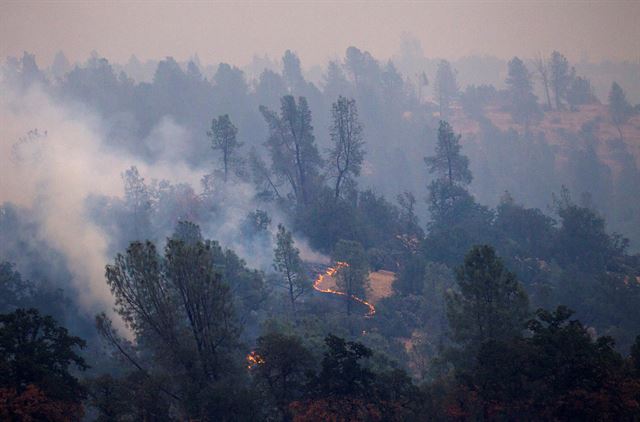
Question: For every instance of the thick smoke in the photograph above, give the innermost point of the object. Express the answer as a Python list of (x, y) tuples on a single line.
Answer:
[(54, 157)]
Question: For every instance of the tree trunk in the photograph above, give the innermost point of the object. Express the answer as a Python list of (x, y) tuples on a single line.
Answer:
[(618, 126), (546, 91)]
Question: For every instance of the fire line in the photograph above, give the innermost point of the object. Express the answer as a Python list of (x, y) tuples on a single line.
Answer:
[(331, 272)]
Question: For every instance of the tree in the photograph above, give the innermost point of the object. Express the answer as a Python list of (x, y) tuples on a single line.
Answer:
[(619, 108), (36, 357), (223, 138), (342, 372), (558, 372), (524, 106), (291, 144), (543, 73), (282, 370), (409, 219), (422, 81), (130, 397), (489, 304), (448, 163), (446, 87), (452, 174), (580, 92), (582, 241), (140, 201), (560, 77), (287, 261), (346, 155), (582, 377), (347, 389), (352, 275), (292, 73), (180, 308)]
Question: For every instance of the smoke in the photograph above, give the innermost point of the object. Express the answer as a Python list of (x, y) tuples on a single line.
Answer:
[(55, 156), (52, 157)]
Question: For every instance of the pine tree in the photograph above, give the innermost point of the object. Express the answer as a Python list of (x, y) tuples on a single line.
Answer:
[(524, 106), (223, 138), (619, 108), (287, 261), (490, 303)]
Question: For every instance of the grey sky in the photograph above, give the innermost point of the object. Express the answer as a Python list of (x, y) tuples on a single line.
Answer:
[(234, 32)]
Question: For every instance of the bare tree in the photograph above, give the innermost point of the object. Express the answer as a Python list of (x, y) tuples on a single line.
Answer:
[(560, 77), (543, 73)]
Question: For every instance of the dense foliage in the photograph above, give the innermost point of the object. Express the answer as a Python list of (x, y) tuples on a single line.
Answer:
[(510, 299)]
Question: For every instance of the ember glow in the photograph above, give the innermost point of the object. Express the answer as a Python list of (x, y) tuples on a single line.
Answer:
[(333, 271), (254, 359)]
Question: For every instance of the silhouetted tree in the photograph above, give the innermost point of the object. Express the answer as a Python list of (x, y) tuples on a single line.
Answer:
[(451, 170), (445, 86), (347, 153), (223, 138), (282, 370), (490, 303), (542, 67), (36, 361), (524, 106), (351, 278), (619, 108), (560, 77), (291, 144), (287, 261), (180, 307)]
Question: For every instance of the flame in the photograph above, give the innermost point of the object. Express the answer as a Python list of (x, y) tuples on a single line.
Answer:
[(331, 272), (254, 359)]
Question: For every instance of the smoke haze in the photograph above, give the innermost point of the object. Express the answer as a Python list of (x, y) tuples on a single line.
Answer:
[(235, 31)]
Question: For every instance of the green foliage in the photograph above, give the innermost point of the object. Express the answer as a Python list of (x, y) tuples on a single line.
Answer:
[(283, 369), (489, 303), (523, 103), (346, 153), (445, 86), (181, 310), (16, 293), (580, 92), (342, 373), (288, 263), (131, 397), (35, 350), (448, 163), (525, 231), (223, 138), (560, 77), (581, 241), (559, 372), (291, 144), (352, 278), (619, 108), (474, 98)]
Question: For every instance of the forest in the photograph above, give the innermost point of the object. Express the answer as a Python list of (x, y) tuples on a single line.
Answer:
[(377, 240)]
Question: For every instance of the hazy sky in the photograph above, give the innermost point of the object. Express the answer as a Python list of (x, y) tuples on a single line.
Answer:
[(234, 32)]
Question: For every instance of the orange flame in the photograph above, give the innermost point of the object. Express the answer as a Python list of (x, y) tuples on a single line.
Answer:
[(254, 359), (331, 272)]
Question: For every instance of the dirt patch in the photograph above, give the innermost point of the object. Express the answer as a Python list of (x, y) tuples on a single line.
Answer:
[(380, 285)]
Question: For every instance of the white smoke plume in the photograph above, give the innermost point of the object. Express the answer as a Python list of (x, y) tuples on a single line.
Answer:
[(54, 170)]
